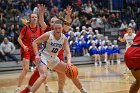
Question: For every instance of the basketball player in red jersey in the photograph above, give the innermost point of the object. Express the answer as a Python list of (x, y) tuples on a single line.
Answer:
[(132, 60), (45, 27), (27, 35)]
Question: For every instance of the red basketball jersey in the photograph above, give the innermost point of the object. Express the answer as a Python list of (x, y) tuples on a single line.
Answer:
[(29, 35)]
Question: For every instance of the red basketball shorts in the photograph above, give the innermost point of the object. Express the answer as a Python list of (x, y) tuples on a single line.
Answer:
[(27, 55), (132, 58)]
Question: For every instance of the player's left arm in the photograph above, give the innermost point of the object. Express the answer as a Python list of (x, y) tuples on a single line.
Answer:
[(68, 19), (67, 49)]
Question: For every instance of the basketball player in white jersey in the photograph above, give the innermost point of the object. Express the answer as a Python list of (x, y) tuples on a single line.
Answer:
[(48, 58), (128, 37)]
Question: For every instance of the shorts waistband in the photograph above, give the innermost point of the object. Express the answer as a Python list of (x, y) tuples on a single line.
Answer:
[(135, 45)]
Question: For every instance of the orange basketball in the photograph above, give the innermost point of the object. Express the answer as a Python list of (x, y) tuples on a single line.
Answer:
[(71, 72)]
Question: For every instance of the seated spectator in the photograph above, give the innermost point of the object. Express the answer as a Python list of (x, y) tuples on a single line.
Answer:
[(124, 25), (123, 28), (109, 51), (94, 53), (2, 35), (77, 31), (98, 40), (76, 23), (132, 24), (116, 51), (106, 40), (102, 52), (75, 48), (84, 47), (7, 48), (90, 41)]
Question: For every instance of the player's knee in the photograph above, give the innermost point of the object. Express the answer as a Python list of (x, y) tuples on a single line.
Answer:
[(61, 76), (25, 69), (43, 76)]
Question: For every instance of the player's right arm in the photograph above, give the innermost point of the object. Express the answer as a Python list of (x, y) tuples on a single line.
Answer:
[(41, 9), (22, 33), (122, 39)]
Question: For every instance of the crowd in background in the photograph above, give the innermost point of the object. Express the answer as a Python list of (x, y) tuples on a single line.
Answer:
[(90, 17)]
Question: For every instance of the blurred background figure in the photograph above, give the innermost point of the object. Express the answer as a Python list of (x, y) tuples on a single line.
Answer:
[(7, 48)]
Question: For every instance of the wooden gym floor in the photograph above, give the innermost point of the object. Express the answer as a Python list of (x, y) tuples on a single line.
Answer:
[(100, 79)]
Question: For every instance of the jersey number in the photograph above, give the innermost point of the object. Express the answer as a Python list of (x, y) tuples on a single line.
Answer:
[(55, 50)]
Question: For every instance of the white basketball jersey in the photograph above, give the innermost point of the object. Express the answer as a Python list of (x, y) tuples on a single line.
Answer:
[(53, 46), (129, 39)]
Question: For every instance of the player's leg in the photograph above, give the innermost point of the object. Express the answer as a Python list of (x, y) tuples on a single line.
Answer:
[(32, 80), (25, 66), (136, 85), (61, 82), (118, 58), (99, 59), (43, 75), (95, 59), (60, 67)]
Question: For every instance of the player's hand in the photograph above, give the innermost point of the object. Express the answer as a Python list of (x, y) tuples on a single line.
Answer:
[(68, 65), (38, 59), (68, 10), (41, 8), (25, 48)]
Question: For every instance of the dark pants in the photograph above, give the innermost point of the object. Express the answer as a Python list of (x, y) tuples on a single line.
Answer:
[(2, 57), (11, 56)]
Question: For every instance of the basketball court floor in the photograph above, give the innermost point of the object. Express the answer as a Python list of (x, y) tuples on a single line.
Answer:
[(100, 79)]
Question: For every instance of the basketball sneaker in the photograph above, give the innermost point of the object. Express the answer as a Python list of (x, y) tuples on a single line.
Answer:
[(62, 91), (83, 90), (48, 89)]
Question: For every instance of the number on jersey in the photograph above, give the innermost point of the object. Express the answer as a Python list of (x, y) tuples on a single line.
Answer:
[(55, 50)]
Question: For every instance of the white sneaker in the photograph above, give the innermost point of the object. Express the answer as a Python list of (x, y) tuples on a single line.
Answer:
[(17, 90), (62, 91), (95, 64), (112, 62), (118, 61), (32, 69), (107, 63), (100, 63), (83, 91), (48, 89)]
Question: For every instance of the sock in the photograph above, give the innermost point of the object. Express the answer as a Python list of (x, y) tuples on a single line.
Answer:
[(34, 77), (83, 90), (18, 88)]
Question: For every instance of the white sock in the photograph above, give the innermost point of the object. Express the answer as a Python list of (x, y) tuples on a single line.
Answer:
[(18, 88)]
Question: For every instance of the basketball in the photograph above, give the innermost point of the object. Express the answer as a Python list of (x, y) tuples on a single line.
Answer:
[(71, 72)]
